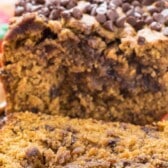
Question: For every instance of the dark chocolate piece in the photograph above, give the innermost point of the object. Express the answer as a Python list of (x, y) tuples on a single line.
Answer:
[(141, 40)]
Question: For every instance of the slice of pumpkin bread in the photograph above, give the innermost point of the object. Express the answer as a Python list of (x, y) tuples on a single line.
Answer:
[(101, 59), (45, 141)]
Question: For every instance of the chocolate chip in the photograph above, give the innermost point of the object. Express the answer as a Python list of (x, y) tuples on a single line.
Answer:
[(155, 26), (136, 3), (101, 18), (44, 11), (33, 152), (152, 9), (49, 48), (139, 24), (149, 20), (108, 25), (77, 13), (55, 14), (105, 11), (120, 21), (40, 1), (66, 14), (148, 2), (112, 6), (137, 15), (139, 10), (52, 4), (126, 7), (148, 129), (71, 4), (130, 12), (141, 40), (159, 17), (111, 73), (36, 8), (143, 159), (165, 31), (126, 163), (150, 83), (19, 10), (166, 22), (113, 142), (131, 20), (87, 8), (160, 4), (116, 2), (64, 2), (53, 92), (34, 110), (112, 15), (49, 128), (98, 1)]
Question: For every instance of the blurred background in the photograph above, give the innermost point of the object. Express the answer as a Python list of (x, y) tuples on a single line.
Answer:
[(7, 6), (6, 11)]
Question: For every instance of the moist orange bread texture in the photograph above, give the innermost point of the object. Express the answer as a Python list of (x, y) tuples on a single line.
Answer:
[(45, 141), (101, 59)]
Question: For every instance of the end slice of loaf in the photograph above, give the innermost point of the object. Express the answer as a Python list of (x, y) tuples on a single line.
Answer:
[(45, 141)]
